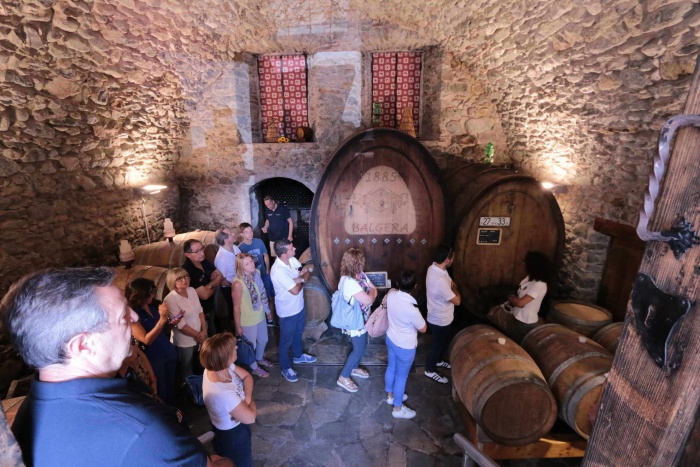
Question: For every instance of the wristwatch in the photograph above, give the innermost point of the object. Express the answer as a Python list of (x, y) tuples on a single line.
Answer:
[(302, 280)]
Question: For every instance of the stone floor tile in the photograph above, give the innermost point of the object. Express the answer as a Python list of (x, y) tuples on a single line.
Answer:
[(354, 455), (408, 434), (377, 446), (275, 414), (396, 456)]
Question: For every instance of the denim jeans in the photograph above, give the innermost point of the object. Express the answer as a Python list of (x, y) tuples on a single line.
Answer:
[(359, 345), (438, 344), (234, 444), (291, 329), (257, 335), (400, 361)]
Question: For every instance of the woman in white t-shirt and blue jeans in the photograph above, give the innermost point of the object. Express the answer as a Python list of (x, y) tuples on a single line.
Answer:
[(354, 285), (405, 322), (228, 395)]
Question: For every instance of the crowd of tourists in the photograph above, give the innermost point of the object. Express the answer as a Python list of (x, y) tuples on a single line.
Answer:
[(75, 327)]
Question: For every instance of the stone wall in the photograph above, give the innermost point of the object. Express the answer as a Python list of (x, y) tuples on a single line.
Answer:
[(98, 97), (223, 159)]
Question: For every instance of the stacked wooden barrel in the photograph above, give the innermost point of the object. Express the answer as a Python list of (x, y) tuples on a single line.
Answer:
[(584, 318), (154, 273), (501, 386), (496, 216), (609, 336), (575, 368), (167, 254)]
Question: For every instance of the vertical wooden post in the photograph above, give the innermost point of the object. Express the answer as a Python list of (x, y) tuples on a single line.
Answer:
[(646, 417)]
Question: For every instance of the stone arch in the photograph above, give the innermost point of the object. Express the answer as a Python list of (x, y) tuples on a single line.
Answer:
[(292, 193)]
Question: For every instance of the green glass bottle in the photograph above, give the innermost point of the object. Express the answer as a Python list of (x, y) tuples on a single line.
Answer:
[(488, 153)]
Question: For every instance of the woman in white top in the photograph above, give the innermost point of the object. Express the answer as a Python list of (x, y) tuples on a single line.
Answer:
[(191, 330), (405, 322), (533, 288), (354, 285), (520, 314), (228, 395)]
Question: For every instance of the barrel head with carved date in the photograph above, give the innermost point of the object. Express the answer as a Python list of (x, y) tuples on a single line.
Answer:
[(380, 192)]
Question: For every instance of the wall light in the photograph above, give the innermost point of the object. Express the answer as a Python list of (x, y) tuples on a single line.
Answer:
[(555, 189)]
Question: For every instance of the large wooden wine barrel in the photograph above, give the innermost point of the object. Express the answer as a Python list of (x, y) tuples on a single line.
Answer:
[(496, 216), (154, 273), (609, 336), (501, 386), (380, 192), (168, 254), (584, 318), (575, 368)]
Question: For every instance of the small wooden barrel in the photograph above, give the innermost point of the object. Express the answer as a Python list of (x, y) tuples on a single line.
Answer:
[(317, 299), (501, 386), (584, 318), (507, 324), (154, 273), (609, 336), (168, 254), (575, 368)]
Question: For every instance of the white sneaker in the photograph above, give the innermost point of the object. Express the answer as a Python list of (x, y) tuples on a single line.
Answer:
[(404, 412), (435, 376), (444, 364), (390, 400)]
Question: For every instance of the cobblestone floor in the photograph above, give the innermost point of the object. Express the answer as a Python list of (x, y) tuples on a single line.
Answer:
[(314, 422)]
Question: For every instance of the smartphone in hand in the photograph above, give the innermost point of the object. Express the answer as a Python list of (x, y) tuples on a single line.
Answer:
[(177, 317)]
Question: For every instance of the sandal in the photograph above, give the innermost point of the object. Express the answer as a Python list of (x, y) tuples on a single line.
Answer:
[(260, 372), (347, 384), (265, 362), (360, 373)]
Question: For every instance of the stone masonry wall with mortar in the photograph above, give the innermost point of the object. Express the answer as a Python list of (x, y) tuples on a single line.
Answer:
[(582, 89), (97, 97)]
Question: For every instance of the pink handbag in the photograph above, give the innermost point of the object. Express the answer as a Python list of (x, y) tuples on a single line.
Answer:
[(378, 321)]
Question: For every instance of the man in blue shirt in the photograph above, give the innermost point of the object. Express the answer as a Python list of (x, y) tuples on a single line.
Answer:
[(74, 327)]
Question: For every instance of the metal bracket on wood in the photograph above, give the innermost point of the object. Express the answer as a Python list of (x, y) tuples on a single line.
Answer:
[(680, 237), (658, 317)]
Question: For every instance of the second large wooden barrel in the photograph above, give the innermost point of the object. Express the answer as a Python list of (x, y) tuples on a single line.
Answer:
[(575, 367), (584, 318), (154, 273), (501, 386), (609, 336), (496, 216), (168, 254), (380, 192)]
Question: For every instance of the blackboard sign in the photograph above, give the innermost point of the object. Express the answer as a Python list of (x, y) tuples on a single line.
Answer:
[(489, 237), (379, 279)]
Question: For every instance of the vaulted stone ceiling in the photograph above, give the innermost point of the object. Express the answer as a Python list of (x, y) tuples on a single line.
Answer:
[(88, 87)]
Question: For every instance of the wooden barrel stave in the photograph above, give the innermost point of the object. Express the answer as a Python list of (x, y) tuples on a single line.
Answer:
[(609, 336), (584, 318), (397, 222), (492, 380), (574, 370), (317, 300), (536, 224)]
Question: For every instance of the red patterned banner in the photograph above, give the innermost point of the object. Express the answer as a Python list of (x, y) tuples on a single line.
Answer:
[(283, 92), (396, 85)]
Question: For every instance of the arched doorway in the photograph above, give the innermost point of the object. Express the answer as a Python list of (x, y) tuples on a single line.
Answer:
[(298, 199)]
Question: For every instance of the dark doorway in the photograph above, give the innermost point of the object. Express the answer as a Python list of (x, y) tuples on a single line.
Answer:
[(290, 193)]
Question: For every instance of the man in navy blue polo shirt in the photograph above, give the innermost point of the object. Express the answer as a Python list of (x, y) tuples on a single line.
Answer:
[(73, 326), (278, 222)]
